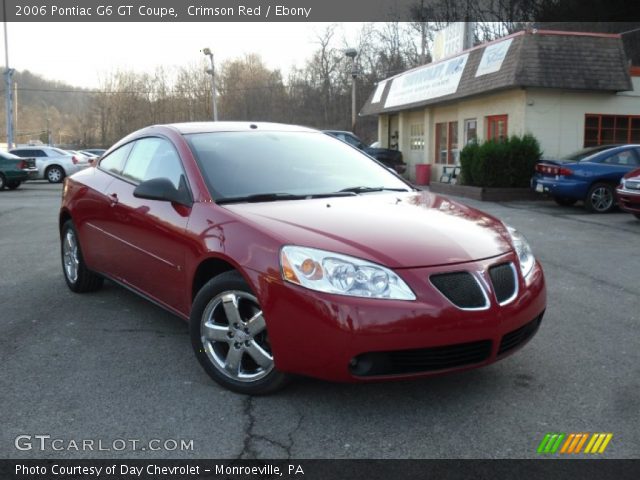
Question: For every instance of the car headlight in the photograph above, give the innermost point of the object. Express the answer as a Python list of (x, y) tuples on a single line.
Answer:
[(523, 250), (623, 182), (341, 274)]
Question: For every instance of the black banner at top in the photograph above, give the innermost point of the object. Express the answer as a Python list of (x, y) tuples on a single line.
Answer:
[(318, 10)]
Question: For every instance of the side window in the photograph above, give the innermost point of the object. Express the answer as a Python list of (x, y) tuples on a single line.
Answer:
[(153, 158), (624, 158), (115, 160)]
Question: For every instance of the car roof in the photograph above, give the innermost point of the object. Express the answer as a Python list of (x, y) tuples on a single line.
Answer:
[(207, 127)]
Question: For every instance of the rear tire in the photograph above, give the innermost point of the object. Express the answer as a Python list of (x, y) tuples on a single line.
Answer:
[(13, 185), (637, 215), (229, 337), (565, 201), (78, 277), (54, 174), (600, 199), (3, 181)]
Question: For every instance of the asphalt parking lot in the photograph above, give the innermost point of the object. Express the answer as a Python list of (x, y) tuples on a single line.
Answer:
[(110, 365)]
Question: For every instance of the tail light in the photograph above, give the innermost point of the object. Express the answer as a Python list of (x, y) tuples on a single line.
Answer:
[(547, 169), (75, 160), (22, 165)]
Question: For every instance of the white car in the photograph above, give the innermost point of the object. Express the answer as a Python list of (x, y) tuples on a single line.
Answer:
[(53, 163)]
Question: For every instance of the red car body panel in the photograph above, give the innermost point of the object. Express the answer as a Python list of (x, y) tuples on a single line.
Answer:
[(156, 247), (629, 198)]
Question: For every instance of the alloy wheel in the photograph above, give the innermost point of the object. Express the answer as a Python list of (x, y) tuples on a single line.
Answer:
[(70, 256), (601, 199), (234, 336)]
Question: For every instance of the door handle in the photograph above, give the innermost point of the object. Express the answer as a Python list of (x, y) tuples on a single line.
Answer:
[(113, 198)]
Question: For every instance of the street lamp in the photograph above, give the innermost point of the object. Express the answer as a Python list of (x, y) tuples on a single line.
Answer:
[(212, 71), (352, 53)]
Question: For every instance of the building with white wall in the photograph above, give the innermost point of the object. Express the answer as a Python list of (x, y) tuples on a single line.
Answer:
[(570, 90)]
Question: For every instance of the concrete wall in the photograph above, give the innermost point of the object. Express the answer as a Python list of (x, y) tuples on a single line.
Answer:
[(556, 117)]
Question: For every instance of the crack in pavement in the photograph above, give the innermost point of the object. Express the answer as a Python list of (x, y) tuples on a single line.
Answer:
[(248, 447)]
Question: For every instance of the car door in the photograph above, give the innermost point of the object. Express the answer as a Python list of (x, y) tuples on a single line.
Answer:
[(100, 219), (150, 233)]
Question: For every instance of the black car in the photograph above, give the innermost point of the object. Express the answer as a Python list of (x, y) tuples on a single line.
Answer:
[(386, 156)]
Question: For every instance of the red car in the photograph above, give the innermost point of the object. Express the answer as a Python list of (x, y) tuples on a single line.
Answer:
[(628, 193), (289, 252)]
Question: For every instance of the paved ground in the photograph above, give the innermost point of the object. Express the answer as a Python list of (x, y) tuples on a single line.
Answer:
[(112, 366)]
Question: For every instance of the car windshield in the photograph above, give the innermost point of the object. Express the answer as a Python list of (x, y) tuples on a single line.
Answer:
[(289, 164), (59, 151)]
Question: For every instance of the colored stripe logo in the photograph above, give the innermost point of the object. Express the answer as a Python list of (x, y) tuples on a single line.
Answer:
[(572, 443)]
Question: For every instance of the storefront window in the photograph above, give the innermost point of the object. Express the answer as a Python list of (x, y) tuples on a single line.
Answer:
[(610, 129), (497, 127), (416, 137), (447, 143), (470, 131)]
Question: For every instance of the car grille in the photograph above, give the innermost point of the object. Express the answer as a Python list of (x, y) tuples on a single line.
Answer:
[(461, 289), (519, 336), (504, 281), (420, 360)]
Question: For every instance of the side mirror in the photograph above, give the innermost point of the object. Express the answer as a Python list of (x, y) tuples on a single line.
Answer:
[(162, 189)]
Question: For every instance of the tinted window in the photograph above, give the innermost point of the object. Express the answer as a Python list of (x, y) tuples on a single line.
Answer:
[(29, 153), (115, 160), (353, 141), (153, 158), (246, 163)]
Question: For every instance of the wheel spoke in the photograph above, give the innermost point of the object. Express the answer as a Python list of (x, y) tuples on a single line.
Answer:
[(230, 305), (256, 324), (260, 356), (216, 333), (233, 360)]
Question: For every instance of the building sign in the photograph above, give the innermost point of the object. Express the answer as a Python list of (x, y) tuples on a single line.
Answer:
[(377, 95), (453, 39), (492, 57), (431, 81)]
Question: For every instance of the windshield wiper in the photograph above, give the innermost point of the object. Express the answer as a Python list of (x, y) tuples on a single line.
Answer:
[(273, 197), (362, 189)]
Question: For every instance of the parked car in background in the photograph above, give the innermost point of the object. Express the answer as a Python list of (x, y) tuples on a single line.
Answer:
[(292, 253), (98, 152), (14, 170), (593, 179), (390, 158), (628, 193), (54, 164)]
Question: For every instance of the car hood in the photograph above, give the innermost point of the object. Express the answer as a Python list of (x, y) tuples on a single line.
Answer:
[(397, 230)]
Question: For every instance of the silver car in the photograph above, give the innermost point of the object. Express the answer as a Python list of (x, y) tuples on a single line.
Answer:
[(53, 163)]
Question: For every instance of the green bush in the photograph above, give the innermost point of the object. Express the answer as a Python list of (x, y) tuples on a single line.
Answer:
[(508, 163)]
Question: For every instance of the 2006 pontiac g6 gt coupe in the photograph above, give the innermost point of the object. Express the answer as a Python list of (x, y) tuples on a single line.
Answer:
[(291, 252)]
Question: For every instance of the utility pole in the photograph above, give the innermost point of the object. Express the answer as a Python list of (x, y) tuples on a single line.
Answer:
[(8, 82), (352, 53)]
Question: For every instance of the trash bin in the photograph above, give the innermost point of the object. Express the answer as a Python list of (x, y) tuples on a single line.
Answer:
[(423, 173)]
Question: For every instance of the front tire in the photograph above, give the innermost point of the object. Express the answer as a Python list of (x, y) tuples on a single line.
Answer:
[(78, 277), (600, 199), (54, 174), (3, 182), (229, 337), (637, 215)]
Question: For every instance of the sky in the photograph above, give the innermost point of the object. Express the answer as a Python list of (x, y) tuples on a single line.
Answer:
[(81, 53)]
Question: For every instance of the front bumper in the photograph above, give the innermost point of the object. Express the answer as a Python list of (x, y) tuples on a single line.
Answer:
[(325, 336), (628, 200)]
